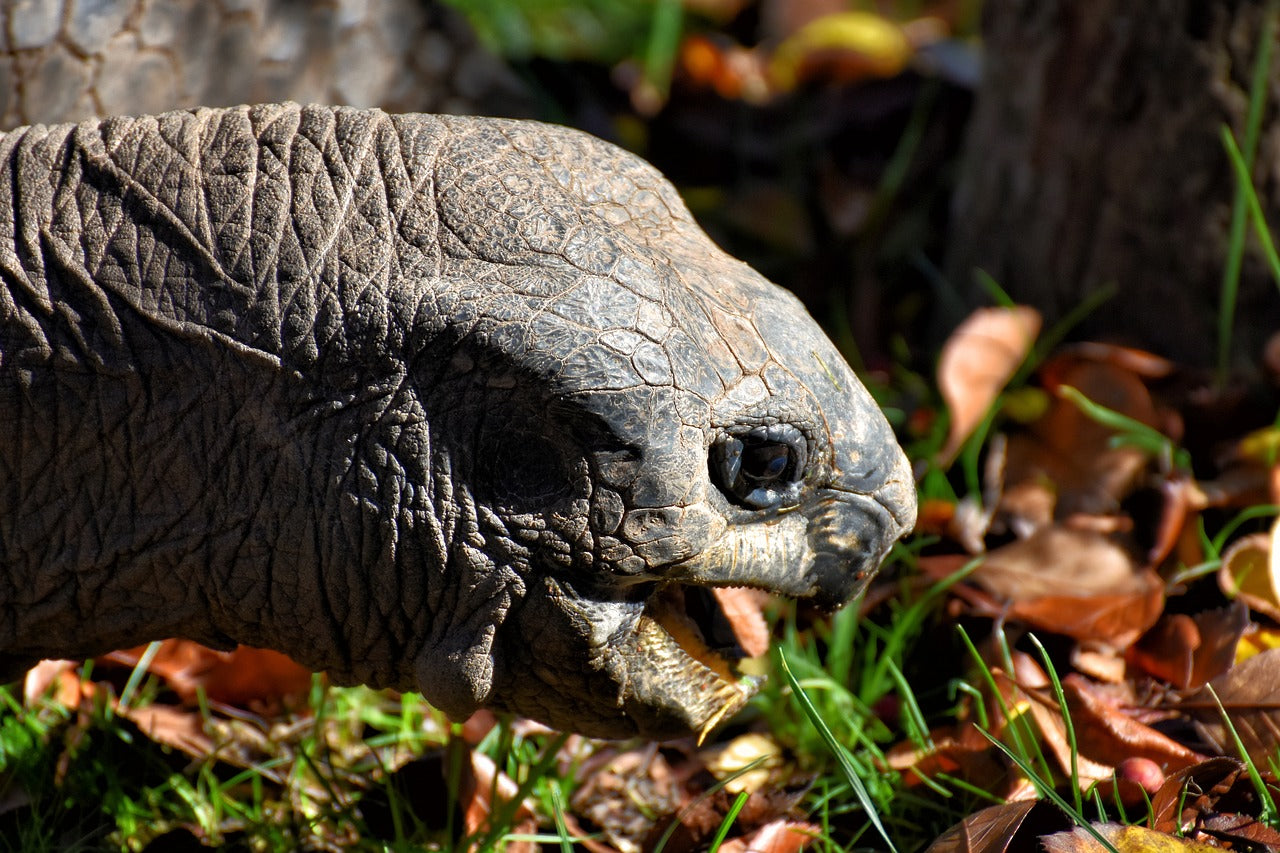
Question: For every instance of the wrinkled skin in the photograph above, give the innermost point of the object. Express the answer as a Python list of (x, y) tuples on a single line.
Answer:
[(435, 403)]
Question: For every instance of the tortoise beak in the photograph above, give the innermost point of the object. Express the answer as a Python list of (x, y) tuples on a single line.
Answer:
[(854, 523)]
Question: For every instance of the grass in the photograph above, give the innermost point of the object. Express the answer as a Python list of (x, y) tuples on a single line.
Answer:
[(327, 773)]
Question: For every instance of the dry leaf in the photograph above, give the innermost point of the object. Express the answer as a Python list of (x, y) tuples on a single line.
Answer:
[(491, 790), (1107, 734), (958, 751), (1072, 454), (1125, 839), (1215, 786), (1250, 571), (729, 762), (1074, 582), (780, 836), (246, 677), (744, 610), (1228, 829), (58, 679), (977, 361), (1059, 562), (622, 791), (1188, 651), (181, 728), (1138, 362), (1250, 693), (1006, 828)]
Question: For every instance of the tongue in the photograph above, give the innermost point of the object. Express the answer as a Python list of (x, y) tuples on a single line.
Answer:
[(744, 609)]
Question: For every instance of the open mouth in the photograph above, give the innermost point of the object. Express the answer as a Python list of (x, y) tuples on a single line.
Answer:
[(705, 634)]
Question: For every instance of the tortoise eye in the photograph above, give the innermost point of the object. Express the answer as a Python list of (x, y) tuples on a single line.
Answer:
[(762, 468), (765, 463)]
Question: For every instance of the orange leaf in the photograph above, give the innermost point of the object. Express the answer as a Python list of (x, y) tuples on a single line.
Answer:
[(1074, 582), (1066, 451), (743, 608), (244, 677), (977, 361)]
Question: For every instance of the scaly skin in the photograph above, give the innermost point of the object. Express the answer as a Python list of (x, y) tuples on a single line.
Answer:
[(434, 403)]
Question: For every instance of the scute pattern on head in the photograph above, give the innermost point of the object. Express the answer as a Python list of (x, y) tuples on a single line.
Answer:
[(489, 411)]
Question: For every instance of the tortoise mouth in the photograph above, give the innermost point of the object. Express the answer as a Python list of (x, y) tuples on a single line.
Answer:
[(686, 627), (693, 617)]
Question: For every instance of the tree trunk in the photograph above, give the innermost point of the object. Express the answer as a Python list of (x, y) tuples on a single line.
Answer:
[(1094, 157)]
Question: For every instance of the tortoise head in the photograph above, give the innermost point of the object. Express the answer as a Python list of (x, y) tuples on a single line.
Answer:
[(684, 425)]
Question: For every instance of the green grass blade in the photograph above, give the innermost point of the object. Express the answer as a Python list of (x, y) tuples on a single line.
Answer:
[(1235, 252), (1061, 698), (1019, 728), (1128, 430), (1269, 812), (729, 818), (662, 45), (842, 755), (916, 725), (139, 671), (1046, 790), (1256, 215), (557, 813)]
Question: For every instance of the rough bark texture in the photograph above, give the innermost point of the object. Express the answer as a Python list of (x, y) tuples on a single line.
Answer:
[(1094, 157), (66, 60)]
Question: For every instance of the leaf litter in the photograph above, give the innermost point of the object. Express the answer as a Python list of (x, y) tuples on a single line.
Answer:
[(1152, 583)]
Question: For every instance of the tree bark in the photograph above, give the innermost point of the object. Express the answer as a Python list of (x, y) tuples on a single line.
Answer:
[(1094, 157)]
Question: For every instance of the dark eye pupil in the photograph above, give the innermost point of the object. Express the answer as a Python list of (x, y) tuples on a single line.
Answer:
[(765, 462), (762, 468)]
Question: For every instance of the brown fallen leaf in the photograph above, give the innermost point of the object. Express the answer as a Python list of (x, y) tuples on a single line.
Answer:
[(622, 791), (1250, 694), (58, 679), (1074, 582), (779, 836), (181, 728), (1006, 828), (249, 678), (1059, 562), (1068, 452), (1138, 362), (1108, 733), (959, 751), (1189, 650), (1053, 729), (1210, 787), (490, 790), (1228, 829), (977, 361), (692, 827)]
